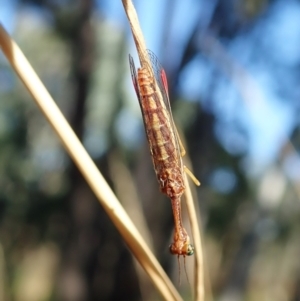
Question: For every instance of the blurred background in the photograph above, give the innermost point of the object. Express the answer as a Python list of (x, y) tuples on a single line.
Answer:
[(233, 71)]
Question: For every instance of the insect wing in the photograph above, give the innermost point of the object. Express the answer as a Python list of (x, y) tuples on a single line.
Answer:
[(162, 82), (134, 77), (158, 70), (136, 86)]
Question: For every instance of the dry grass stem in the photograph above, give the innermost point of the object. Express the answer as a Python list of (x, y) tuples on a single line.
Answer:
[(87, 167), (199, 267), (136, 31)]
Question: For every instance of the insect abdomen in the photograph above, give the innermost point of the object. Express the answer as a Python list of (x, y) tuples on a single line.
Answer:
[(160, 136)]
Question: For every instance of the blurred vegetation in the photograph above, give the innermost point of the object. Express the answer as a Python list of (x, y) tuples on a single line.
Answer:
[(56, 242)]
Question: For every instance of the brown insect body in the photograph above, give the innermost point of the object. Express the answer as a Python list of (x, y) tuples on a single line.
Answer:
[(164, 146), (161, 138)]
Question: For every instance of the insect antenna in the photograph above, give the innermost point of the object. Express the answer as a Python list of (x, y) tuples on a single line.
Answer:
[(179, 271), (186, 274)]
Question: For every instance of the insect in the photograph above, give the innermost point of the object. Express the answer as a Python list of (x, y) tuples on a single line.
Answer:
[(150, 83)]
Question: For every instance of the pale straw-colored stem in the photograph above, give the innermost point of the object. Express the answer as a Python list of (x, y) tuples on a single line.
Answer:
[(136, 31), (199, 286), (87, 167)]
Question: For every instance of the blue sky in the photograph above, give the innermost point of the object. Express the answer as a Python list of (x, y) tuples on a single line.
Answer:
[(7, 13)]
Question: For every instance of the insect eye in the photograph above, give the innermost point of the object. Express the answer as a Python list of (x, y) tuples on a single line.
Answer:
[(190, 250)]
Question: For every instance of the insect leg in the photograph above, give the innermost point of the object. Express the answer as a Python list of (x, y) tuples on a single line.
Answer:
[(182, 149), (191, 175)]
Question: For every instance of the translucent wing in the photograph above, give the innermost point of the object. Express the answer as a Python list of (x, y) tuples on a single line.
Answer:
[(162, 82), (134, 77), (161, 79)]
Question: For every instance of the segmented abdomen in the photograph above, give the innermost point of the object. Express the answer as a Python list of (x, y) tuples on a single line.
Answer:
[(161, 137)]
